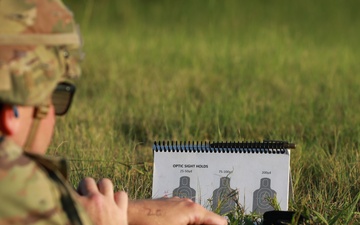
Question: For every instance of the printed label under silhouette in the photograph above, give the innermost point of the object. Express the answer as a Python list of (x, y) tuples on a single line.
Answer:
[(224, 196), (262, 197), (184, 190)]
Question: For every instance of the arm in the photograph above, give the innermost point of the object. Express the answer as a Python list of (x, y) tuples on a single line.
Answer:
[(105, 207), (171, 211)]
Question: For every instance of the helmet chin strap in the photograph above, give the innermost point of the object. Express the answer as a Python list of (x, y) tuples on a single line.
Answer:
[(40, 112)]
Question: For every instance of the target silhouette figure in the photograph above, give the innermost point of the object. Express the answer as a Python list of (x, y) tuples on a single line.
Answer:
[(184, 190), (223, 196), (262, 197)]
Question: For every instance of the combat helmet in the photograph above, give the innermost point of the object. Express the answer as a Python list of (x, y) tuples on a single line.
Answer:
[(40, 48)]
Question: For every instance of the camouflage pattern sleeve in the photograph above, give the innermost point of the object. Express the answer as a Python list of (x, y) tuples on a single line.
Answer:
[(32, 192)]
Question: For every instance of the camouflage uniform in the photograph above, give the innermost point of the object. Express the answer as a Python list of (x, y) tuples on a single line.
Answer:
[(34, 190), (35, 38)]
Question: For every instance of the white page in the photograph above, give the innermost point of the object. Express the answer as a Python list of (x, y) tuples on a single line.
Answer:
[(244, 171)]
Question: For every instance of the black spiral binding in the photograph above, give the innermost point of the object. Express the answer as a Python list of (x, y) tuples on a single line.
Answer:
[(264, 147)]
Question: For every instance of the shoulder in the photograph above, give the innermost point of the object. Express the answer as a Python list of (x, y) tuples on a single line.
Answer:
[(27, 193)]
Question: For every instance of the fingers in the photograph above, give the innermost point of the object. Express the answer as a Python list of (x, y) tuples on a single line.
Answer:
[(203, 216), (197, 214), (176, 198), (200, 215), (100, 202), (87, 187), (121, 199), (106, 187)]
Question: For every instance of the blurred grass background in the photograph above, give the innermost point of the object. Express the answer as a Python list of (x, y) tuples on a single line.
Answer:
[(219, 71)]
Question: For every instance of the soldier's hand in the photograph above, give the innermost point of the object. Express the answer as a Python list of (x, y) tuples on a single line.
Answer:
[(171, 211), (101, 203)]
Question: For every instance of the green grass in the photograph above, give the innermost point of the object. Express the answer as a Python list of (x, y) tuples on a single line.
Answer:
[(220, 71)]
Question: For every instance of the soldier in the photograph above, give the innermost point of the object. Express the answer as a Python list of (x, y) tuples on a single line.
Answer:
[(40, 50)]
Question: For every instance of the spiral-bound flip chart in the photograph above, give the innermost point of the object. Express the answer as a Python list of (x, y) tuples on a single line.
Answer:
[(221, 176)]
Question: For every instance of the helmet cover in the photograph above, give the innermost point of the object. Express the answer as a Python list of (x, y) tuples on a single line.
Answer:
[(39, 47)]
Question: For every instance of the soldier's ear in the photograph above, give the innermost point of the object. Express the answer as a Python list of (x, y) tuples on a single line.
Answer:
[(9, 122)]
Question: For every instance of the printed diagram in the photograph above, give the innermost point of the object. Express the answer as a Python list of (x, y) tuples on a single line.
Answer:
[(223, 197), (184, 190), (262, 196)]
